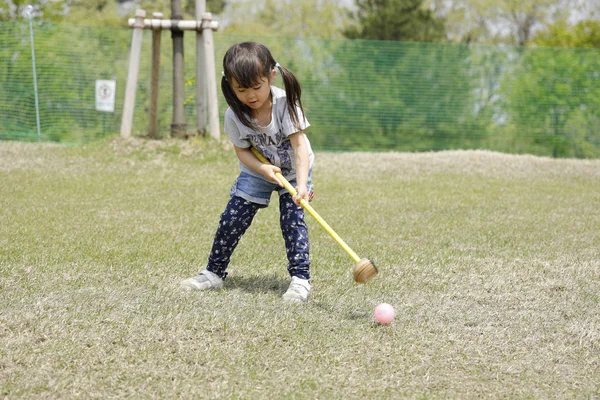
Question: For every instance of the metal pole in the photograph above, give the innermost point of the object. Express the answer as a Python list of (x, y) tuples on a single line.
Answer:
[(28, 13)]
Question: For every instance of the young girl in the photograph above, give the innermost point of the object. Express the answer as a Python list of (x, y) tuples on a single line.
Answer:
[(272, 121)]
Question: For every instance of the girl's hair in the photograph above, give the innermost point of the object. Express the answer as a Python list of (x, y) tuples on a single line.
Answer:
[(248, 62)]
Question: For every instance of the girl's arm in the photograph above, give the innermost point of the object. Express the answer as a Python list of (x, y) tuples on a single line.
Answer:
[(250, 161), (301, 155)]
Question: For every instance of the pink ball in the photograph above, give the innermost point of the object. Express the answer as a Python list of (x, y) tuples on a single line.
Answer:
[(384, 313)]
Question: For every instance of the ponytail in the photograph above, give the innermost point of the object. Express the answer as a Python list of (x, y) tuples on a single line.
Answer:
[(293, 92)]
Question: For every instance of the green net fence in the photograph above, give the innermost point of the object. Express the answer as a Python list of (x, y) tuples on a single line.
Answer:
[(358, 95)]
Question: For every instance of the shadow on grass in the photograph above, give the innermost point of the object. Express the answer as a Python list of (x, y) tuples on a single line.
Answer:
[(257, 284), (351, 315)]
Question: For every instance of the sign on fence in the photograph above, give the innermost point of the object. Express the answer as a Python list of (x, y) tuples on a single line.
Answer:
[(105, 95)]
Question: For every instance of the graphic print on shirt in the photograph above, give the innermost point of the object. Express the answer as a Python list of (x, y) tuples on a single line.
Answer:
[(267, 145)]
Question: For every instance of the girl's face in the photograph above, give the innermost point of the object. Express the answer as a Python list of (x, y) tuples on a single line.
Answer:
[(256, 97)]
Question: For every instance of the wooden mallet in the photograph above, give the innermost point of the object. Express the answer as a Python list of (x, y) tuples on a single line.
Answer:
[(364, 269)]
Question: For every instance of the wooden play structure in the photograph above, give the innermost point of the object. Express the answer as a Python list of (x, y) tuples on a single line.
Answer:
[(206, 85)]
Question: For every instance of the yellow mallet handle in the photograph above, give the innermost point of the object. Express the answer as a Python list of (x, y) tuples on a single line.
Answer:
[(309, 208)]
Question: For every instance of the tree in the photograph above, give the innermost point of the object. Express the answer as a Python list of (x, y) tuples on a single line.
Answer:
[(212, 6), (96, 13), (189, 6), (110, 12), (567, 82), (553, 98), (497, 21), (48, 10), (561, 34), (399, 20), (522, 16), (313, 18)]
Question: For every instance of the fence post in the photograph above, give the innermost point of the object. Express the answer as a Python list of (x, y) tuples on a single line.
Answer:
[(132, 76), (211, 83), (178, 126), (153, 112), (200, 73)]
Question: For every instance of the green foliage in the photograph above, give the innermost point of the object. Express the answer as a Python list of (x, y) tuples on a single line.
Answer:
[(553, 97), (513, 22), (96, 13), (66, 74), (521, 16), (409, 97), (399, 20), (54, 10), (359, 95), (188, 6), (306, 18), (212, 6), (561, 34), (110, 13)]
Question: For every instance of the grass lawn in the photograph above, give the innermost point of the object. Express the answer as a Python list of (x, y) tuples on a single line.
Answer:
[(491, 261)]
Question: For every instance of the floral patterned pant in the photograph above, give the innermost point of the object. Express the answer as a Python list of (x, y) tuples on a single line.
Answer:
[(236, 219)]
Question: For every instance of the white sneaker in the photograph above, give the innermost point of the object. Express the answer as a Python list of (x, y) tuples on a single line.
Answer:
[(204, 280), (298, 291)]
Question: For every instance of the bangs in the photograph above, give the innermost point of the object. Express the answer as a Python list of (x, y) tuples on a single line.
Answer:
[(248, 63), (248, 74)]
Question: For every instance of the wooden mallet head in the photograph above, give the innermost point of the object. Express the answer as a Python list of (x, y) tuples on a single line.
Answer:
[(364, 270)]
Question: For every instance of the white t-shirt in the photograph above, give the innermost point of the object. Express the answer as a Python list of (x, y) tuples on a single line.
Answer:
[(272, 141)]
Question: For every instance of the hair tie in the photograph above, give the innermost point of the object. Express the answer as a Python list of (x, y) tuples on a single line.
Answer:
[(223, 73), (277, 67)]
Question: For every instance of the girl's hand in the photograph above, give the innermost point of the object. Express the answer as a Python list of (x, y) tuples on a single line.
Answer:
[(269, 171), (302, 194)]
